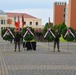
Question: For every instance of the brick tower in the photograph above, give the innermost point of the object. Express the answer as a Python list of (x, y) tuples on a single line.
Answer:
[(59, 12), (72, 14)]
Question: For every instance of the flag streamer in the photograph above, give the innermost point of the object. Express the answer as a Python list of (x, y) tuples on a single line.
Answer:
[(72, 33), (28, 30), (25, 33), (46, 34), (5, 33), (49, 30), (67, 32), (8, 30), (52, 33)]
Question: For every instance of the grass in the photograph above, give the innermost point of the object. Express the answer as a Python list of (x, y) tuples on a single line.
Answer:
[(62, 39)]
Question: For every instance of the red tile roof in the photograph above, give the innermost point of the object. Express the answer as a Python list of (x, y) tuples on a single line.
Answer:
[(10, 14)]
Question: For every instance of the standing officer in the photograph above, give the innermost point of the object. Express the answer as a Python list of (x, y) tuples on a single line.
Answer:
[(56, 40), (17, 40)]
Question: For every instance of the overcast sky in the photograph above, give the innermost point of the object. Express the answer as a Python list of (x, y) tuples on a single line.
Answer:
[(38, 8)]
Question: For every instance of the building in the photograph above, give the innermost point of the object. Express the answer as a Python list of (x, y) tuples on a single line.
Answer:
[(65, 12), (59, 12), (3, 19), (72, 14), (7, 20)]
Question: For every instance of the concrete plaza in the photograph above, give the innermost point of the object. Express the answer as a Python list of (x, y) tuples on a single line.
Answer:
[(43, 61)]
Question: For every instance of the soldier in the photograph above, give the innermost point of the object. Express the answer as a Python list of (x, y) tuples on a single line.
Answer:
[(17, 40), (56, 40)]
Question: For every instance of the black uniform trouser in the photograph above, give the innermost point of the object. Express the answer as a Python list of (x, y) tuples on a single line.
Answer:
[(56, 43), (17, 43), (24, 44)]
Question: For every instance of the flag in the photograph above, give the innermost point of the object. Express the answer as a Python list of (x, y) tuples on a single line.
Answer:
[(18, 22), (15, 21), (14, 18), (23, 21)]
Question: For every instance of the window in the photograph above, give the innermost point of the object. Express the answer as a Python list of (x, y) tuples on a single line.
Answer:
[(4, 21), (24, 23), (64, 15), (64, 9), (62, 4), (1, 21), (30, 23), (36, 23), (59, 3), (64, 21)]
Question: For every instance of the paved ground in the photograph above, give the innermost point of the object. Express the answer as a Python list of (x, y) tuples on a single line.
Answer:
[(43, 61)]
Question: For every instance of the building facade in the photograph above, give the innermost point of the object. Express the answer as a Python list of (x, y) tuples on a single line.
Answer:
[(65, 12), (7, 20), (59, 12), (72, 14), (3, 18)]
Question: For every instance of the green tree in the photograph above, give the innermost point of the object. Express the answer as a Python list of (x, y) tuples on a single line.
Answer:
[(46, 26), (62, 26), (56, 27)]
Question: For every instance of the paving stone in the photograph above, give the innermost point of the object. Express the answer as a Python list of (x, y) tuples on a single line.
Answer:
[(43, 61)]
